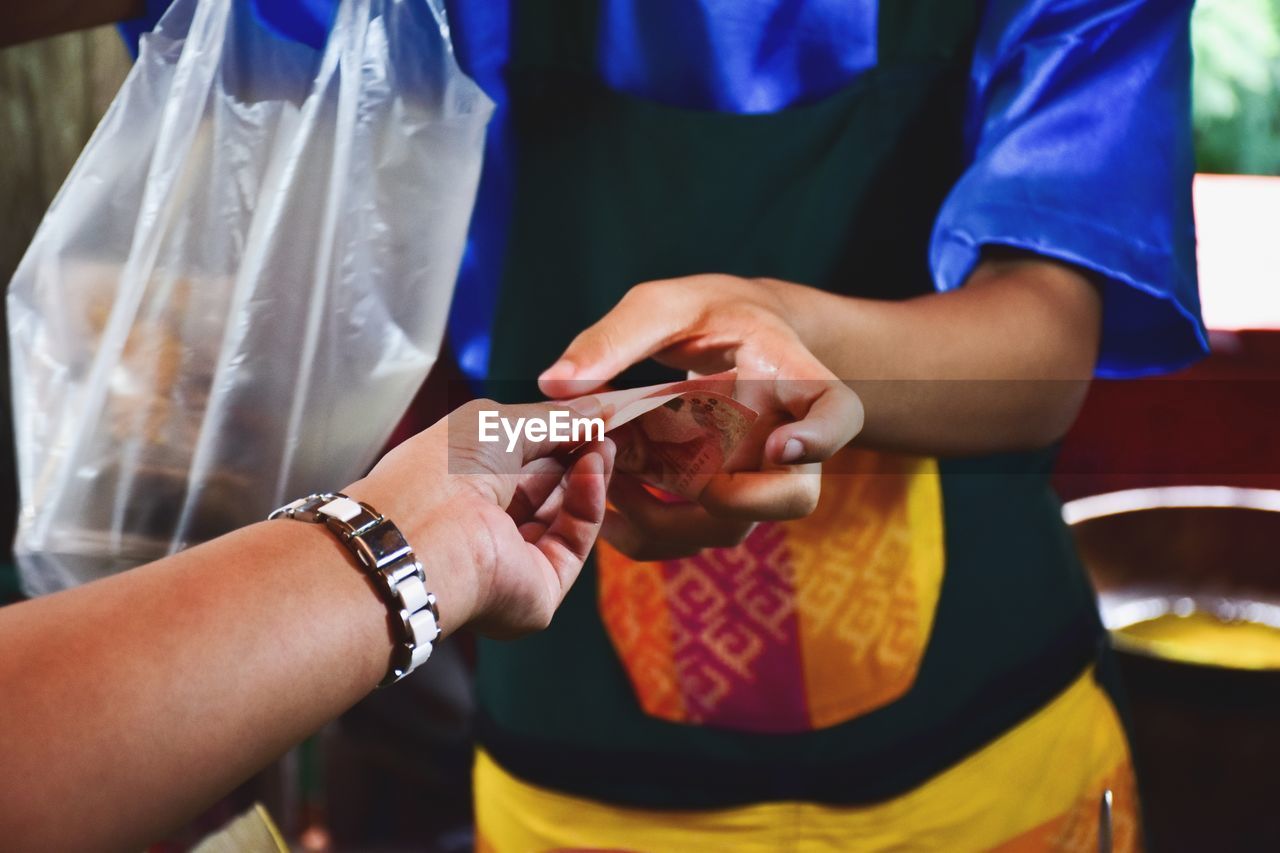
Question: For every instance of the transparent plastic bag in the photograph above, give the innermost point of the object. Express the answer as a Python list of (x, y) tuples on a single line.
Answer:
[(242, 283)]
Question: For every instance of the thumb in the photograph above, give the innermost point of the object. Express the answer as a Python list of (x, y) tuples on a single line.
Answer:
[(636, 328)]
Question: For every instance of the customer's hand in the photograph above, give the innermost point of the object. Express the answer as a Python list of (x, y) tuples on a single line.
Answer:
[(258, 638), (501, 534), (706, 324)]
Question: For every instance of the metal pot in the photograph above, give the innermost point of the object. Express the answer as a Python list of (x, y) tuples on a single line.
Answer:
[(1205, 732)]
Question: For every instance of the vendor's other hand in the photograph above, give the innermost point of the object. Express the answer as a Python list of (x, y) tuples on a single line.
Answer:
[(705, 324), (502, 534)]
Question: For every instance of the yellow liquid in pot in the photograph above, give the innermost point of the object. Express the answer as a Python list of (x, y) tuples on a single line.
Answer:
[(1203, 638)]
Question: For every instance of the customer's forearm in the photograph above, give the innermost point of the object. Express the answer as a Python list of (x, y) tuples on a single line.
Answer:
[(234, 651), (1000, 364)]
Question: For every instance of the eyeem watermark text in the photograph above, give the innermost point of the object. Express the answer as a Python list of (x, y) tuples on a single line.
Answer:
[(559, 425)]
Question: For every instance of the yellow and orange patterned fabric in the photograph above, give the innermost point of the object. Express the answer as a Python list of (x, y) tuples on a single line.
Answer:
[(806, 624)]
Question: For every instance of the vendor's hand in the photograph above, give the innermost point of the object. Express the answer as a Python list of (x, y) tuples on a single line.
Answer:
[(706, 324), (501, 534)]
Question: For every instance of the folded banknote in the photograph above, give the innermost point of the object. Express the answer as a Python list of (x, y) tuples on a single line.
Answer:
[(678, 435)]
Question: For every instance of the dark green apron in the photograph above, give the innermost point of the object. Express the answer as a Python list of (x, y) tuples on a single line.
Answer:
[(841, 194)]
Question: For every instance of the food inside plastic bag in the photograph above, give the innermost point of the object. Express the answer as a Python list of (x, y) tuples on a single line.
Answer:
[(242, 283)]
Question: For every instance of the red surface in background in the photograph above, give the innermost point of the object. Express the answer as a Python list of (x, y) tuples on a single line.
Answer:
[(1216, 423)]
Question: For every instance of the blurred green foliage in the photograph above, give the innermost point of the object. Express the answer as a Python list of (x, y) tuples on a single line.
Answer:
[(1236, 88)]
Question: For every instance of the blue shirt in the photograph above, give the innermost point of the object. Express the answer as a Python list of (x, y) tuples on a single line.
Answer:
[(1078, 135)]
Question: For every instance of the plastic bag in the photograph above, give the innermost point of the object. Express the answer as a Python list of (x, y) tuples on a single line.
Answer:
[(242, 283)]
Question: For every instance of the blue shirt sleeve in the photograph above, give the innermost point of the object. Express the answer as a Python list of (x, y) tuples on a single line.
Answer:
[(134, 29), (1081, 150), (305, 21)]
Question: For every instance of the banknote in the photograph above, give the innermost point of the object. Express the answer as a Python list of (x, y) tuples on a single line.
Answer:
[(676, 436)]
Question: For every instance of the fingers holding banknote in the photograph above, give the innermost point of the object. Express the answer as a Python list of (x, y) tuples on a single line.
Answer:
[(646, 527), (712, 323), (508, 525), (706, 324)]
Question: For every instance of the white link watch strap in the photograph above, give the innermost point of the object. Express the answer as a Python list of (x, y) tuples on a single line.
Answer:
[(383, 553)]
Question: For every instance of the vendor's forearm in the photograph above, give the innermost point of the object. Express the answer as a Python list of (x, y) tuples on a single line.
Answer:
[(1000, 364)]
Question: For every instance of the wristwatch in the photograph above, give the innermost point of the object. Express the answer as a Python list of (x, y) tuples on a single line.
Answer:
[(386, 557)]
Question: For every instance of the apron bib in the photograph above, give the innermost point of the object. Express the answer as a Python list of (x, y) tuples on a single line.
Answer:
[(807, 624), (920, 611)]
